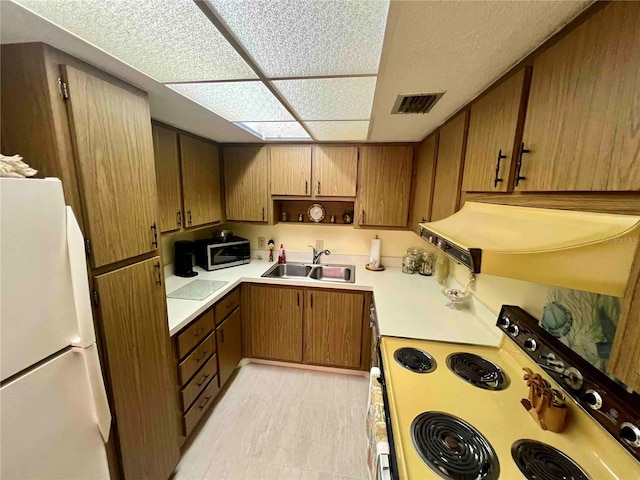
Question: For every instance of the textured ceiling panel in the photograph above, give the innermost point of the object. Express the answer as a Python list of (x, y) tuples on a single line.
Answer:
[(329, 98), (277, 130), (338, 131), (457, 47), (236, 101), (169, 40), (289, 38)]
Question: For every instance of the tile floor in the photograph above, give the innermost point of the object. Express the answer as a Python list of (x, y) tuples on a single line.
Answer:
[(282, 423)]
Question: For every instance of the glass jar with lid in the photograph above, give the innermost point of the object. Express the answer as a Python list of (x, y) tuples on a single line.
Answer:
[(409, 264), (426, 264)]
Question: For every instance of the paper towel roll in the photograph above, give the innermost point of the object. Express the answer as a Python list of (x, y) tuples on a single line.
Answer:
[(374, 257)]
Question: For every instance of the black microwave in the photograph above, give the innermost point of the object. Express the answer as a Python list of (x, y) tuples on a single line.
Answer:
[(213, 254)]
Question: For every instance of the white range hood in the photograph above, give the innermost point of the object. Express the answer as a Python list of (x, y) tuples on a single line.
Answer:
[(580, 250)]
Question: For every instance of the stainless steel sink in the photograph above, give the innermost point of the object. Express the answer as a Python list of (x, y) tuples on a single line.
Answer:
[(288, 270), (334, 273), (323, 273)]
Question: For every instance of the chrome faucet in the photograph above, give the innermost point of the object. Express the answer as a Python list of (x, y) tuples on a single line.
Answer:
[(317, 255)]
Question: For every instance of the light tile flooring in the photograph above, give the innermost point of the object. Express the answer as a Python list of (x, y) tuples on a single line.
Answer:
[(282, 423)]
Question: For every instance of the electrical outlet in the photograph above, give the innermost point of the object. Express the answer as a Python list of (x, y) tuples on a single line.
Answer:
[(319, 245), (261, 243)]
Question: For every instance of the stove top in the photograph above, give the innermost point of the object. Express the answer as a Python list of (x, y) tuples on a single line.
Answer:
[(478, 371), (451, 412), (452, 448), (415, 360)]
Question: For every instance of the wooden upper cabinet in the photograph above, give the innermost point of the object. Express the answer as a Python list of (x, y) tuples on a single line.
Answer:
[(276, 322), (111, 131), (333, 328), (384, 179), (134, 324), (165, 147), (201, 187), (451, 146), (494, 122), (424, 173), (335, 171), (582, 124), (246, 183), (290, 170)]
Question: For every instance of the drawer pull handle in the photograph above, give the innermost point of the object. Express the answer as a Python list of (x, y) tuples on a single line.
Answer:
[(204, 379), (204, 404), (199, 332), (202, 355), (229, 304)]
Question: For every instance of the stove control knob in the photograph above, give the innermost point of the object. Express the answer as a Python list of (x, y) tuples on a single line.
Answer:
[(531, 344), (630, 433), (593, 399), (504, 322), (513, 330)]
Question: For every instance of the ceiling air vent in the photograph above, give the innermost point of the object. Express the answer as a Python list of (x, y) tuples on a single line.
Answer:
[(415, 102)]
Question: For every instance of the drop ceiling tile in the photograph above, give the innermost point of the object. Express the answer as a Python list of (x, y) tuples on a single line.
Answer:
[(277, 130), (169, 40), (288, 38), (236, 101), (329, 98), (338, 131)]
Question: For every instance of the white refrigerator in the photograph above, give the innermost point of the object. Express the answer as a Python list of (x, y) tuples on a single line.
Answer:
[(54, 415)]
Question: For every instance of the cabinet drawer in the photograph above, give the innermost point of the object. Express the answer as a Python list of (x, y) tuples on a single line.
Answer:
[(200, 406), (194, 334), (197, 358), (227, 305), (198, 383)]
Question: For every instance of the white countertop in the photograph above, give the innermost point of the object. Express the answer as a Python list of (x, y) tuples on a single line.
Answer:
[(410, 306)]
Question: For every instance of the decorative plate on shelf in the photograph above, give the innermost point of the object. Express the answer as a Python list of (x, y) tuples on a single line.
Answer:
[(316, 212)]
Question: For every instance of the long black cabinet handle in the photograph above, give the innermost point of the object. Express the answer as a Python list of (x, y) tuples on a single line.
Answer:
[(497, 180), (154, 232), (519, 163)]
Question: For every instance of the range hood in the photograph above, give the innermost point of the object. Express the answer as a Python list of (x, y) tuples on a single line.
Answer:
[(579, 250)]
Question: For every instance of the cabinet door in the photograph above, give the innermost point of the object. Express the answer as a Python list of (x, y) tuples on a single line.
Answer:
[(290, 170), (384, 178), (141, 370), (276, 323), (446, 188), (229, 337), (335, 171), (333, 328), (425, 169), (200, 181), (491, 142), (165, 147), (582, 128), (245, 180), (111, 130)]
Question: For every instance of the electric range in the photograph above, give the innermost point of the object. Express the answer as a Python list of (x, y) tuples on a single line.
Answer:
[(455, 411)]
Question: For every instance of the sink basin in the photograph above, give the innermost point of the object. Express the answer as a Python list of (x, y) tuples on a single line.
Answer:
[(334, 273), (288, 270), (323, 273)]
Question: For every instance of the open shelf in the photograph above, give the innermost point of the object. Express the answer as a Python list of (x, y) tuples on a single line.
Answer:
[(296, 207)]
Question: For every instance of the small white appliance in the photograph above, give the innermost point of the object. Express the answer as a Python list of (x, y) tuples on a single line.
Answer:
[(54, 414)]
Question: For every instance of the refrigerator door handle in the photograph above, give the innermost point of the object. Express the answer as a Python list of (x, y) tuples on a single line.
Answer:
[(101, 404)]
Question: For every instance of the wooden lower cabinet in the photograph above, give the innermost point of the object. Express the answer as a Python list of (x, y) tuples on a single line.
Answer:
[(311, 325), (276, 322), (229, 337), (333, 328), (132, 307)]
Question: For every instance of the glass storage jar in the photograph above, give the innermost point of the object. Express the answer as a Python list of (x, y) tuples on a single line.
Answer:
[(409, 264), (442, 269), (427, 262)]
